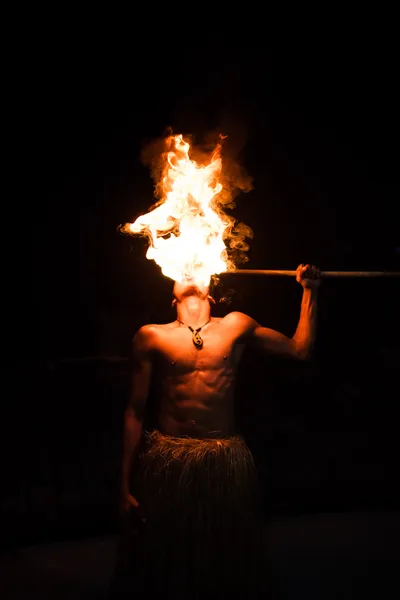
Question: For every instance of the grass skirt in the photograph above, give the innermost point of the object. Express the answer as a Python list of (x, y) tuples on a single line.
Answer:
[(198, 532)]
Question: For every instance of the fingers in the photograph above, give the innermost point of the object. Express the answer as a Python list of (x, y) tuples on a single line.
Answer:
[(133, 502), (311, 272), (308, 271), (308, 275), (301, 272), (317, 272), (314, 272), (129, 501)]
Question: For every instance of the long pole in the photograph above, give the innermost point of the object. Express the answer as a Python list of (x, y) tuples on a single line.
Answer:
[(280, 272)]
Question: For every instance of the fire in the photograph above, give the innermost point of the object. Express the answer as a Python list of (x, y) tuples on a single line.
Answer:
[(188, 228)]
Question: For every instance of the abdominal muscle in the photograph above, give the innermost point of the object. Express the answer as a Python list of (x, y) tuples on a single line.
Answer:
[(198, 404)]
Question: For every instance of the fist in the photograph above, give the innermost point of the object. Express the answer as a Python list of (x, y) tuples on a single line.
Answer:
[(308, 276), (127, 502)]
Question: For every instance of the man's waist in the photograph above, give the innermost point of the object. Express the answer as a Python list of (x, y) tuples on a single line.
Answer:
[(158, 437), (195, 424)]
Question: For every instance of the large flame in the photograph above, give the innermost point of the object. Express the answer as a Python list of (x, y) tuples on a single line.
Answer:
[(188, 228)]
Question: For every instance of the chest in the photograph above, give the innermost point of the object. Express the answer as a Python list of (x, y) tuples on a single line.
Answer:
[(179, 351)]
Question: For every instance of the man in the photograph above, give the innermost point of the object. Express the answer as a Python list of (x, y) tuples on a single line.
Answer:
[(193, 496)]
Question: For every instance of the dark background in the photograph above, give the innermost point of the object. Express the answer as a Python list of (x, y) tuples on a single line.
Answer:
[(319, 132)]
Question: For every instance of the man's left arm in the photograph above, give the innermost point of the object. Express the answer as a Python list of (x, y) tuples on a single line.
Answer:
[(302, 343)]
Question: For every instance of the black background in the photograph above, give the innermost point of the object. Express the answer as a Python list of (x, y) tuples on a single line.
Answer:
[(318, 129), (318, 132)]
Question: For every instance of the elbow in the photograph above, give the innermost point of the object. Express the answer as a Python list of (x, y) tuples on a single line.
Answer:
[(303, 353)]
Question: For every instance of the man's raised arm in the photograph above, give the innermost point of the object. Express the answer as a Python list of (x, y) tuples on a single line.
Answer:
[(302, 343)]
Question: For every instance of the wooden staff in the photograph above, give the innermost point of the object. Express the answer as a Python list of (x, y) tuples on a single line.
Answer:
[(358, 274)]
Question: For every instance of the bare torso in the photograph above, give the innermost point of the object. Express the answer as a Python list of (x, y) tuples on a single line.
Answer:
[(197, 385)]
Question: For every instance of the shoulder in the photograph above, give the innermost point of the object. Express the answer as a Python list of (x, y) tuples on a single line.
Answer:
[(237, 317), (240, 321), (146, 337)]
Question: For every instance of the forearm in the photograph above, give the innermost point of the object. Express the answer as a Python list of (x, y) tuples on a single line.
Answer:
[(131, 442), (306, 331)]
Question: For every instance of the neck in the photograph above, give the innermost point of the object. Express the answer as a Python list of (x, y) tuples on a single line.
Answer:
[(193, 311)]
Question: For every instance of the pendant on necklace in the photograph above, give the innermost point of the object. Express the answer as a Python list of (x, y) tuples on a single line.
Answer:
[(197, 339)]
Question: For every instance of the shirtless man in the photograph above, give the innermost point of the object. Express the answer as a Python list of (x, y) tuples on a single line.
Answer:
[(199, 356)]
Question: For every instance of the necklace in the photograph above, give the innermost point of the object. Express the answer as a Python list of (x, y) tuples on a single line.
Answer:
[(196, 337)]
